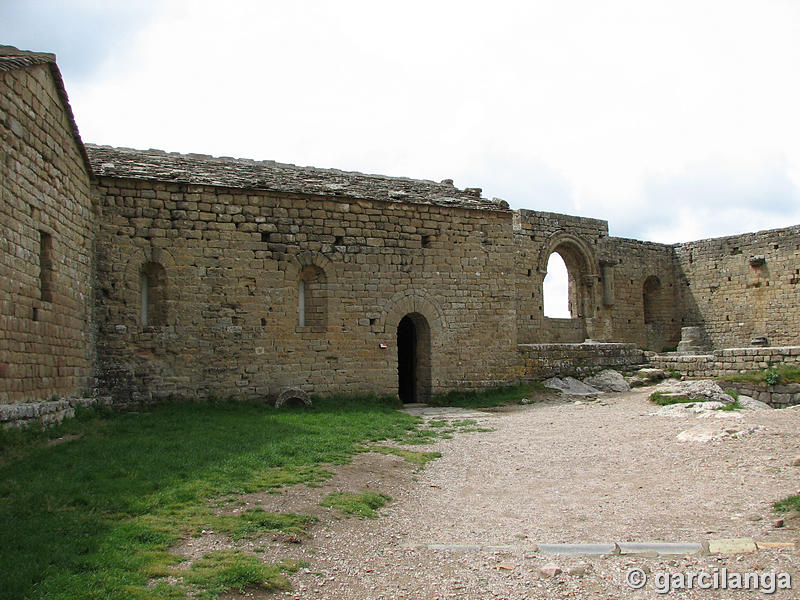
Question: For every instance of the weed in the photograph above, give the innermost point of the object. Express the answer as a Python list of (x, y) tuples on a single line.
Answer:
[(489, 397), (732, 406), (363, 504), (417, 458), (223, 570), (787, 504)]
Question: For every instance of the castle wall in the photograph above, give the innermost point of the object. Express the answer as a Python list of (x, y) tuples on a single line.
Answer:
[(227, 319), (46, 233), (743, 286), (607, 281)]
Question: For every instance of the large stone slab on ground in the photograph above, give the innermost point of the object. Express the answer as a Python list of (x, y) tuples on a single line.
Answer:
[(578, 549), (700, 390), (690, 409), (660, 548), (608, 380), (732, 546), (708, 432), (571, 386), (751, 403)]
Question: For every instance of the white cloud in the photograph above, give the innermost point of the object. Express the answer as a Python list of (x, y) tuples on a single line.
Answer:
[(593, 108)]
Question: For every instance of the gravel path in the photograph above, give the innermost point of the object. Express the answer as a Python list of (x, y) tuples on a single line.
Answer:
[(555, 471)]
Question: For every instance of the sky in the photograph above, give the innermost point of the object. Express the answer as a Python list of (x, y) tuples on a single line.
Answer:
[(673, 120)]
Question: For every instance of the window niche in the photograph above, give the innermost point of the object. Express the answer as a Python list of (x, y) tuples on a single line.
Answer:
[(153, 288), (46, 266), (312, 298)]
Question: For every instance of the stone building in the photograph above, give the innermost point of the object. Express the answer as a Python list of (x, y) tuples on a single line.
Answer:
[(145, 275)]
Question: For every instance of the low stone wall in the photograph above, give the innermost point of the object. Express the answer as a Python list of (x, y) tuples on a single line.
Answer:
[(777, 396), (44, 413), (729, 361), (540, 361)]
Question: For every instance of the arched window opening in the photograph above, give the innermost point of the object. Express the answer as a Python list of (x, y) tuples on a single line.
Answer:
[(312, 297), (153, 282), (46, 266), (556, 300), (651, 298)]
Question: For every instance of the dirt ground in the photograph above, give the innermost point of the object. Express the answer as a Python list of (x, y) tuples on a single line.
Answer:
[(556, 471)]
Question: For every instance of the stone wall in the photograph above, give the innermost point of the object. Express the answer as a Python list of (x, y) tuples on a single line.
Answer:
[(541, 361), (233, 261), (46, 238), (645, 310), (777, 396), (744, 286), (608, 277), (729, 361)]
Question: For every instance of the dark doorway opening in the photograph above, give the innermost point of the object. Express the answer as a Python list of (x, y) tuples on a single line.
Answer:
[(407, 360)]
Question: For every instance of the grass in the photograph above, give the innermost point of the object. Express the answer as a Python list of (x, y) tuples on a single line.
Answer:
[(363, 505), (787, 504), (781, 374), (94, 517), (665, 400), (732, 406), (415, 458), (223, 570), (489, 397)]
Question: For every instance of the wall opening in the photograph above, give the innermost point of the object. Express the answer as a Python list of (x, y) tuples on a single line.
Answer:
[(153, 285), (555, 288), (651, 299), (46, 266), (312, 297), (413, 359)]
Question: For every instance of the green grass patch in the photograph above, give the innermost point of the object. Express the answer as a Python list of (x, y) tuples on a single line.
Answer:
[(224, 570), (95, 516), (732, 406), (665, 400), (778, 375), (787, 504), (363, 505), (416, 458), (498, 396)]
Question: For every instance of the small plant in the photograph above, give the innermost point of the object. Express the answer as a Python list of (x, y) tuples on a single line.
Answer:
[(772, 377), (364, 504), (224, 570), (732, 406), (665, 399), (787, 504)]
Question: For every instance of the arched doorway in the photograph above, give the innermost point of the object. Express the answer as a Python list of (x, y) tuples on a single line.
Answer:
[(413, 358)]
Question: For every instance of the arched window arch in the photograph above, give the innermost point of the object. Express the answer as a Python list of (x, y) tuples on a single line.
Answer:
[(651, 299), (555, 288), (153, 290), (312, 297)]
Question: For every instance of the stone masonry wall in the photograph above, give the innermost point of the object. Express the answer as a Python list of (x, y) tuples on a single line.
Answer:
[(729, 361), (744, 286), (632, 264), (233, 260), (607, 280), (541, 361), (46, 236)]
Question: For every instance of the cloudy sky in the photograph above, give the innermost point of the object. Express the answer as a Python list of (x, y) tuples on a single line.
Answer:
[(673, 120)]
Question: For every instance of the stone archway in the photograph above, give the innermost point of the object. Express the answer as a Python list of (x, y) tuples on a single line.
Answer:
[(413, 358)]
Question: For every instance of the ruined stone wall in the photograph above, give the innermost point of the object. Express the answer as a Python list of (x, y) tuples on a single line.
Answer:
[(227, 322), (541, 361), (46, 233), (536, 236), (744, 286), (728, 361), (644, 300), (607, 283)]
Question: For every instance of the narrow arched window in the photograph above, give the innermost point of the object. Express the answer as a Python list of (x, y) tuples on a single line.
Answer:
[(46, 266), (555, 289), (312, 297), (153, 284), (651, 292)]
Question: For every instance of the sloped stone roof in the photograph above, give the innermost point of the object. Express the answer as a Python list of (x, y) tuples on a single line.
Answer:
[(12, 58), (201, 169)]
